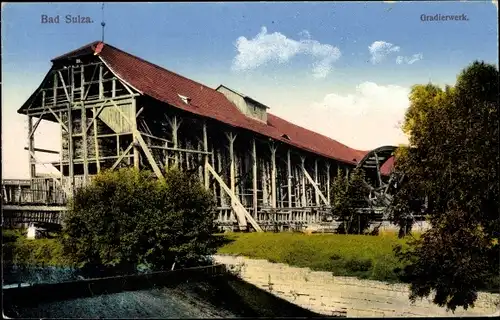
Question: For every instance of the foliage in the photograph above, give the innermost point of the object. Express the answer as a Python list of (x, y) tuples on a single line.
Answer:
[(348, 194), (452, 161), (18, 250), (343, 255), (126, 218)]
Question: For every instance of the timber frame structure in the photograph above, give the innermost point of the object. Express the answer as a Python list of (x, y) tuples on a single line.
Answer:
[(117, 110)]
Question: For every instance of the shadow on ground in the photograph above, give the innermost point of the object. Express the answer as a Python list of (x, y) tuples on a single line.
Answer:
[(207, 297)]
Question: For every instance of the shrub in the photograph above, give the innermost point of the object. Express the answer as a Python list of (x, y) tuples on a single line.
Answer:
[(126, 218)]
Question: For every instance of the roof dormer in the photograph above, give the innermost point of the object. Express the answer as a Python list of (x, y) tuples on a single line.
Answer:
[(248, 106)]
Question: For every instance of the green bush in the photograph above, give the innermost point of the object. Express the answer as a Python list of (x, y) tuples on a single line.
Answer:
[(126, 218)]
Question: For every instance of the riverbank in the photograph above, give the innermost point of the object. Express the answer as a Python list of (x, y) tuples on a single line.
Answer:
[(327, 294)]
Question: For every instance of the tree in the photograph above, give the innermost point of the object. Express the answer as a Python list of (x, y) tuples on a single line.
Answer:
[(126, 218), (348, 194), (452, 160)]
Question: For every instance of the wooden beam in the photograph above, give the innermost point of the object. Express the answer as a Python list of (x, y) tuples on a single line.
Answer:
[(101, 85), (231, 138), (240, 212), (273, 149), (254, 178), (205, 157), (316, 194), (31, 148), (70, 151), (303, 184), (154, 137), (61, 155), (180, 150), (328, 183), (306, 174), (149, 156), (289, 173), (96, 141), (64, 87), (42, 150), (96, 114), (122, 156), (133, 123), (174, 125), (84, 144)]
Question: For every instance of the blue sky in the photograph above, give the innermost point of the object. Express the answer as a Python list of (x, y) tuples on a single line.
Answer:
[(311, 63)]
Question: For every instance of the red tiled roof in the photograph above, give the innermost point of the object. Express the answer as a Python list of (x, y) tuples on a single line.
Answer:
[(166, 86)]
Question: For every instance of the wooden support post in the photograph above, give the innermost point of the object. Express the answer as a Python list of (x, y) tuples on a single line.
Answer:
[(265, 194), (205, 157), (96, 142), (61, 154), (31, 148), (254, 178), (137, 160), (316, 193), (231, 138), (273, 175), (70, 150), (175, 127), (289, 172), (113, 90), (219, 168), (328, 183), (84, 144), (303, 183), (101, 85)]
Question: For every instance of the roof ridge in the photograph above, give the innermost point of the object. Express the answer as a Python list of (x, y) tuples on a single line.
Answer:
[(314, 132), (76, 50), (158, 66)]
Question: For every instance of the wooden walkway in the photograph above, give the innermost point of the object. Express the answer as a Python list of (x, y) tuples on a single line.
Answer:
[(31, 201)]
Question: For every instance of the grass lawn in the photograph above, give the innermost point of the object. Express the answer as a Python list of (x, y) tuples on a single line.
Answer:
[(368, 257)]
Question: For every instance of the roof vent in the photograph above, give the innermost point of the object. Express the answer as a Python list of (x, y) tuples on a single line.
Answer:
[(185, 99)]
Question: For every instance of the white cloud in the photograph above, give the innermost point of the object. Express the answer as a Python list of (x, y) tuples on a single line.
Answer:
[(305, 34), (380, 49), (276, 47), (409, 60), (366, 119)]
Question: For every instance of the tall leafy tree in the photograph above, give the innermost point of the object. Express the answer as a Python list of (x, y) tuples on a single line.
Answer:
[(453, 160)]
